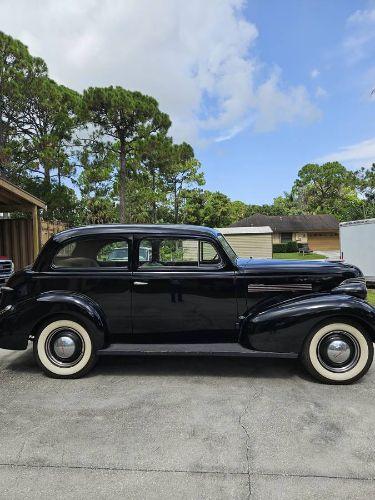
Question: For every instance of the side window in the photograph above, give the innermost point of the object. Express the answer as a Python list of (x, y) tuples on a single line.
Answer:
[(168, 253), (115, 253), (176, 252), (67, 250), (208, 254), (93, 253)]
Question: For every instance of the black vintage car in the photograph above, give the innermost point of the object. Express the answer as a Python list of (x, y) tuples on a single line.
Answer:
[(182, 290)]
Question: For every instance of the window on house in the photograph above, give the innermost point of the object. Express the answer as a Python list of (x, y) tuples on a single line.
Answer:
[(285, 237)]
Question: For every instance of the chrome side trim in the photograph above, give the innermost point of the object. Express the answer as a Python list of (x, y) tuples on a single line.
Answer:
[(289, 287)]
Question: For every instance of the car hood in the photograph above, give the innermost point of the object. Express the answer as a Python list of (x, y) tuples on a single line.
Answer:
[(284, 268)]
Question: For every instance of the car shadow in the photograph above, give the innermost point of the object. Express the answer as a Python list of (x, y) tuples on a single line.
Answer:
[(214, 366), (177, 366), (19, 361)]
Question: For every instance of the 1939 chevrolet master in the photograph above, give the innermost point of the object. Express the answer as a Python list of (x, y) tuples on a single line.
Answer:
[(165, 289)]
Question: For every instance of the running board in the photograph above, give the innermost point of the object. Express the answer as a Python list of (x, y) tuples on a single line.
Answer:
[(211, 349)]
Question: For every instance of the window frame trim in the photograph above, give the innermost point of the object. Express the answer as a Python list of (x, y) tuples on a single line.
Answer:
[(176, 269)]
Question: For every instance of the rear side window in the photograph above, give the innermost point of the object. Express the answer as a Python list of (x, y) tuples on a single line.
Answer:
[(115, 252), (98, 253)]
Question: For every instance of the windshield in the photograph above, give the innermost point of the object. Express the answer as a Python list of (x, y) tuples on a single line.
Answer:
[(228, 249)]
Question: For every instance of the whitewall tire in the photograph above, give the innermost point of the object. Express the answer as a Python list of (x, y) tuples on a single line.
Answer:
[(338, 353), (64, 349)]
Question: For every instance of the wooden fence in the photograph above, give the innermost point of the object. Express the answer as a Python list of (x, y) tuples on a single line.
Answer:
[(48, 229), (16, 239)]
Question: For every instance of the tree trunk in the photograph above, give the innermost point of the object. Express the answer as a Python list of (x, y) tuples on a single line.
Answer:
[(59, 175), (122, 181), (47, 177), (175, 203), (153, 173)]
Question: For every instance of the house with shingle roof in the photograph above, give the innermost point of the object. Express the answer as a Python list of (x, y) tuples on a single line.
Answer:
[(321, 232)]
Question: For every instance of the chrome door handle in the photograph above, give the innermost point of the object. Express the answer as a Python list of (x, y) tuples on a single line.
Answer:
[(138, 283)]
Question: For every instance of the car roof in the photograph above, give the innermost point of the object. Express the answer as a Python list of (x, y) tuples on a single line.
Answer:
[(154, 229)]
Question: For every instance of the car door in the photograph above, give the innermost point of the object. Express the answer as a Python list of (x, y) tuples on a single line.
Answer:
[(183, 290)]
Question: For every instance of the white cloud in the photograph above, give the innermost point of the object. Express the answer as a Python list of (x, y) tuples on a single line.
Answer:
[(361, 154), (276, 105), (314, 73), (360, 40), (320, 92), (194, 57)]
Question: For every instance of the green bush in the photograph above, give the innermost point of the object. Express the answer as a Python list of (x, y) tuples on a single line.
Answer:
[(279, 248), (289, 247)]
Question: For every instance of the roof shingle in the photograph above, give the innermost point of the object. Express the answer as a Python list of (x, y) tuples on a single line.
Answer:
[(291, 223)]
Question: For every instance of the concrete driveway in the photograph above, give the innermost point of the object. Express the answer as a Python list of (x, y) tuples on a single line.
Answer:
[(330, 254), (175, 428)]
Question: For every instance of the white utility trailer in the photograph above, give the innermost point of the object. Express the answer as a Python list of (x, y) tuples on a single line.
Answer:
[(357, 244)]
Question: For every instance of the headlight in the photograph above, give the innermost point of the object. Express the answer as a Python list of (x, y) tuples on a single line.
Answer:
[(353, 286)]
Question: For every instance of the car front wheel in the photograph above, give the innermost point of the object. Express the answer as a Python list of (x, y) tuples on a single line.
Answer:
[(338, 353), (64, 349)]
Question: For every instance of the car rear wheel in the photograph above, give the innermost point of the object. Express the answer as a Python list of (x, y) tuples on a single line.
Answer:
[(64, 349), (338, 353)]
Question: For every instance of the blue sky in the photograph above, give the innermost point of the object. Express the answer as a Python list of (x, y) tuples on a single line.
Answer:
[(258, 87), (307, 40)]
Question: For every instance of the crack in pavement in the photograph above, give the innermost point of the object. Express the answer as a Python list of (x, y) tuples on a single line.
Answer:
[(313, 476), (120, 469), (247, 447), (184, 471), (256, 396)]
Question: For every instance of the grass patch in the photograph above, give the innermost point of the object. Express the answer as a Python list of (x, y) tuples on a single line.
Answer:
[(298, 256), (371, 297)]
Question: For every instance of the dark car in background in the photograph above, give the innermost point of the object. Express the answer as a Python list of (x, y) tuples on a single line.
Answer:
[(182, 290), (6, 269)]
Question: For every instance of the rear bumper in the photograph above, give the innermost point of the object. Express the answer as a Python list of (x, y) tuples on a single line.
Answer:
[(10, 338)]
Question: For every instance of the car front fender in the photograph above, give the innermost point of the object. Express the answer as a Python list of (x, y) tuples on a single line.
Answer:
[(283, 327)]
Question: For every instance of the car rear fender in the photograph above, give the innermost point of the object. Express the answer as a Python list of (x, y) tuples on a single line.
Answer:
[(283, 327), (33, 313)]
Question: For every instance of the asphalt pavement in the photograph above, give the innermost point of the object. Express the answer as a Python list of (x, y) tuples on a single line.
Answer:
[(184, 428)]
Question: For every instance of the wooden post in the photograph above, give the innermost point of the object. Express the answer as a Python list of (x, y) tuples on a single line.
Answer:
[(35, 231)]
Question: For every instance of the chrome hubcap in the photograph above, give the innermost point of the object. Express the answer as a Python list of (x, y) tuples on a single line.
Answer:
[(64, 347), (338, 351)]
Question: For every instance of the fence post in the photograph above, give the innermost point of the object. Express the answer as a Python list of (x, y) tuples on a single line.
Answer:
[(35, 231)]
